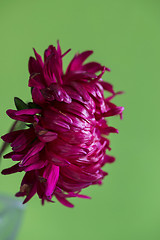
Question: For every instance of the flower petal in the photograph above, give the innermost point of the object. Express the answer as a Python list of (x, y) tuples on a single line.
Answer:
[(114, 111), (37, 96), (24, 118), (79, 175), (92, 67), (15, 168), (51, 173), (78, 60), (36, 148)]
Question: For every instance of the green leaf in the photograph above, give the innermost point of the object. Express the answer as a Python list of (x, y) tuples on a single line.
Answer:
[(20, 104)]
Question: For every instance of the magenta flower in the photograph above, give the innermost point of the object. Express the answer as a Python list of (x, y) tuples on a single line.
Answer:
[(63, 148)]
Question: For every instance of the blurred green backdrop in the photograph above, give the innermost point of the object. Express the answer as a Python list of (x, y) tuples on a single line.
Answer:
[(125, 36)]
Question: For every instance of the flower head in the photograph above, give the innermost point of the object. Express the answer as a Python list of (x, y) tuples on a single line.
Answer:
[(63, 148)]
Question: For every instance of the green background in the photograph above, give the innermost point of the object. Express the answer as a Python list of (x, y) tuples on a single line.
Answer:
[(125, 36)]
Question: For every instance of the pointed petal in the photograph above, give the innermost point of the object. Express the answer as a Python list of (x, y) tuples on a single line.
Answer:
[(34, 166), (114, 111), (10, 137), (28, 111), (51, 173), (39, 59), (24, 118), (92, 67), (45, 135), (78, 60), (34, 66), (37, 96), (15, 168), (31, 193), (37, 147), (63, 201), (108, 87)]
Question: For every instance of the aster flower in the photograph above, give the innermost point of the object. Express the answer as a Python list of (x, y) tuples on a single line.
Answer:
[(63, 148)]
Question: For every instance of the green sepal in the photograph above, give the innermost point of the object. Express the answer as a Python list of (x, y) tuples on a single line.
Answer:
[(20, 105), (33, 105)]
